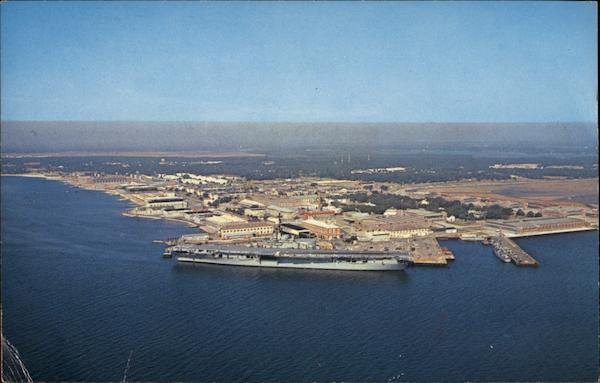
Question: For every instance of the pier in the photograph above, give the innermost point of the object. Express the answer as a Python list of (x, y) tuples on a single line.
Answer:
[(427, 251), (509, 248)]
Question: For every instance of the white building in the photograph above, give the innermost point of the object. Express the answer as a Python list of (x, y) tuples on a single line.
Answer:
[(162, 202), (247, 229)]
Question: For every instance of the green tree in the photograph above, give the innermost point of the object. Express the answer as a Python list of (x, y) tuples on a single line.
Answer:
[(498, 212)]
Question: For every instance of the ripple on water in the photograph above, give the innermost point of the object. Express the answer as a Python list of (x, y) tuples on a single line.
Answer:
[(80, 294)]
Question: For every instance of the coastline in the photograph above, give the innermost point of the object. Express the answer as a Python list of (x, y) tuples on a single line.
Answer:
[(120, 196), (129, 273), (124, 196), (29, 175), (130, 215)]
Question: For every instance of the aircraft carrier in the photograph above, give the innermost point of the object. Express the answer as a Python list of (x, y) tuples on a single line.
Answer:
[(291, 258)]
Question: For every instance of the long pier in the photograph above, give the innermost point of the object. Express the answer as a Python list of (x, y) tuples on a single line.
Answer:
[(508, 247)]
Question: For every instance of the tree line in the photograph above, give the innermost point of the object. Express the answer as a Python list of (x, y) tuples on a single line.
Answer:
[(467, 211)]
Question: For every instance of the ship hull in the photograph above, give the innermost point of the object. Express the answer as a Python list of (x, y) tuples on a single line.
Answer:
[(379, 265)]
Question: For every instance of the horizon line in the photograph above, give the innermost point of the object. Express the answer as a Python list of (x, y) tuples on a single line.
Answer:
[(301, 122)]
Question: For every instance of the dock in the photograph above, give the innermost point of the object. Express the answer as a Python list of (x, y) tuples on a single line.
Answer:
[(427, 251), (508, 247)]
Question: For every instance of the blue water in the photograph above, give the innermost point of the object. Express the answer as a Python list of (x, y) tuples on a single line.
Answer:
[(82, 286)]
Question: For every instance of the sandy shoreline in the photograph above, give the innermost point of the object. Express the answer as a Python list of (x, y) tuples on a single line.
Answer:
[(30, 175), (120, 196)]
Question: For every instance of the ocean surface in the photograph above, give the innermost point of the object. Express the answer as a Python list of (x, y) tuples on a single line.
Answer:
[(83, 286)]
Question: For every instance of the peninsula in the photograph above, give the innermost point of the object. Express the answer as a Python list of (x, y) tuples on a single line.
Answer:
[(250, 221)]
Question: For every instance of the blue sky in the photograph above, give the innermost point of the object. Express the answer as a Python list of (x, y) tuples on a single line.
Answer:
[(275, 61)]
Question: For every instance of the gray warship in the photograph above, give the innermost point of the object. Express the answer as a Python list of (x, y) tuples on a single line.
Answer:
[(291, 258)]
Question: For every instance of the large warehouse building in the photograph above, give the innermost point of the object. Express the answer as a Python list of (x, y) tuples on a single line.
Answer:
[(541, 224), (246, 229), (322, 229)]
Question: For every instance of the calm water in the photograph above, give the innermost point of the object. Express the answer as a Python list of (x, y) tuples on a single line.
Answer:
[(82, 286)]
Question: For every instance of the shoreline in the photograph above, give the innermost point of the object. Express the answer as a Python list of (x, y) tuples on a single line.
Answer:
[(124, 197), (119, 196), (28, 175), (473, 279), (130, 215)]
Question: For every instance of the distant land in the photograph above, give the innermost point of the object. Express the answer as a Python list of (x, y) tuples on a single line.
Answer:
[(87, 136), (186, 154)]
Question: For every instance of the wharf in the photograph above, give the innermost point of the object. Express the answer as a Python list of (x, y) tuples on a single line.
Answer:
[(508, 247), (432, 260), (427, 251)]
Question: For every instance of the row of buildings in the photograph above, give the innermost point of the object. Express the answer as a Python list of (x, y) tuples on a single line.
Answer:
[(539, 225), (303, 208)]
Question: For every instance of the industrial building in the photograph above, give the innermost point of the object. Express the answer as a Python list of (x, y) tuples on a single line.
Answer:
[(172, 202), (541, 224), (426, 214), (322, 229), (224, 219), (294, 203), (314, 213), (279, 211), (246, 229), (250, 203), (141, 188), (110, 179), (295, 230), (395, 226), (256, 212)]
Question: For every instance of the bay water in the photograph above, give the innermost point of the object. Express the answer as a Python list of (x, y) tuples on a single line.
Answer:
[(84, 286)]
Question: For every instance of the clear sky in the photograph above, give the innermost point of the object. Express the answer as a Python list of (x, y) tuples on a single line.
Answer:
[(276, 61)]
